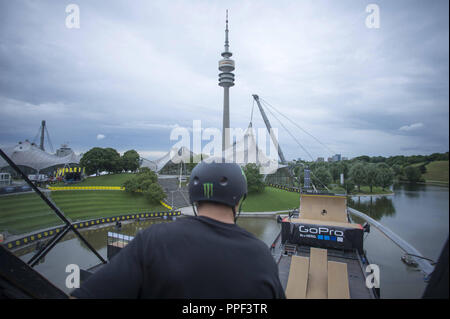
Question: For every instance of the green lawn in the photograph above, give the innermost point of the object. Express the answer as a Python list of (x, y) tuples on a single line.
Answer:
[(437, 171), (27, 212), (272, 199), (103, 180)]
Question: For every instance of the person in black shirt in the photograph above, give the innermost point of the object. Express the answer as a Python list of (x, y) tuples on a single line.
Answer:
[(195, 257)]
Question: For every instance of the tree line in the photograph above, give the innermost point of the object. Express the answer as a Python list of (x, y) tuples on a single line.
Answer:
[(369, 171), (324, 175), (402, 160), (99, 159), (363, 170)]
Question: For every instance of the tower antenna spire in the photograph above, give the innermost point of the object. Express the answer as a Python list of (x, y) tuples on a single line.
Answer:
[(226, 80), (226, 33)]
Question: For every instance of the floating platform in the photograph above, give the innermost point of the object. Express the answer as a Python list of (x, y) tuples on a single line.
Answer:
[(316, 273), (320, 252)]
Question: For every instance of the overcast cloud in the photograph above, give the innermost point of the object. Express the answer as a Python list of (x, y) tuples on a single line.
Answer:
[(135, 70)]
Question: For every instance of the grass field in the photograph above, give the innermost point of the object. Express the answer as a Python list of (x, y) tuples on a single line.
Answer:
[(24, 213), (27, 212), (103, 180), (272, 199), (437, 171)]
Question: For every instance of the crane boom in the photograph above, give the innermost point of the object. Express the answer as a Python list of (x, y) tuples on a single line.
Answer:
[(269, 128)]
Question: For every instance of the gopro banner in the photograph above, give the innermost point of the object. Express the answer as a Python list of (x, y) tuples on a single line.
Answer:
[(337, 237)]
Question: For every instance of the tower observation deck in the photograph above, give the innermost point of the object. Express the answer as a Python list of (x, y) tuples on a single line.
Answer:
[(226, 80)]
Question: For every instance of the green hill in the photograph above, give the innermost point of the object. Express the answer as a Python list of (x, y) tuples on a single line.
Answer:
[(437, 171)]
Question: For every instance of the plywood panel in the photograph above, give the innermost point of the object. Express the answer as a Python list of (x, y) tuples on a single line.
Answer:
[(338, 281), (298, 278), (318, 274)]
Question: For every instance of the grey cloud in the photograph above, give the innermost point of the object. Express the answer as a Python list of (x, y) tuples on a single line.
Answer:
[(133, 70)]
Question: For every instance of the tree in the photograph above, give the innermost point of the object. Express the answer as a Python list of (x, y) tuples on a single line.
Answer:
[(413, 174), (349, 185), (423, 168), (155, 193), (363, 158), (255, 182), (385, 175), (358, 174), (130, 161), (111, 160), (398, 170), (146, 181), (131, 185), (93, 160), (321, 177), (371, 175), (335, 171), (101, 159)]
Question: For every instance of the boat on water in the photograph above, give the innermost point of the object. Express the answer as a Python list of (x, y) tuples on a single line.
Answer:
[(320, 251)]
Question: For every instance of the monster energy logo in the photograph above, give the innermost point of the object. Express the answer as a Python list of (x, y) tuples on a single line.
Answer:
[(208, 190)]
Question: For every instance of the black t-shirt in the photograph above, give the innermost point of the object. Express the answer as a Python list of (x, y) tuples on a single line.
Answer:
[(193, 257)]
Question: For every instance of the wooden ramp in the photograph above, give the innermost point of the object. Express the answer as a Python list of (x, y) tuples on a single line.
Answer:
[(298, 278), (323, 208), (317, 278), (338, 281)]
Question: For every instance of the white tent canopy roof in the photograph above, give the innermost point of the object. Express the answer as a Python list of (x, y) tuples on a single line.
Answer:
[(147, 163), (183, 154), (242, 152), (27, 154), (246, 151)]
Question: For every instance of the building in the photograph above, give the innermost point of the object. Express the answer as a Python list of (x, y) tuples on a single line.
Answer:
[(337, 158), (320, 159)]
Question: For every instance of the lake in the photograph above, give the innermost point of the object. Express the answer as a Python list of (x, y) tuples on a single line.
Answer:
[(417, 213)]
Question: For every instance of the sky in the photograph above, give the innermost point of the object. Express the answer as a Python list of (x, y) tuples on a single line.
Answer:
[(134, 71)]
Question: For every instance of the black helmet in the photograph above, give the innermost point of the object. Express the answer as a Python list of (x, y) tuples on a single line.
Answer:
[(216, 181)]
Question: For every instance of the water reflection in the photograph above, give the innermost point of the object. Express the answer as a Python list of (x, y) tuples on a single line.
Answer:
[(374, 207), (97, 237), (72, 250), (416, 188), (266, 229)]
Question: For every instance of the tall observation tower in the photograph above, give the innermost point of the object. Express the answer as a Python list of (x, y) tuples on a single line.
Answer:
[(226, 80)]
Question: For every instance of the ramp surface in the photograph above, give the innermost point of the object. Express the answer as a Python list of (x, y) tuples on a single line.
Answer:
[(298, 278), (323, 208), (318, 274), (338, 281)]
